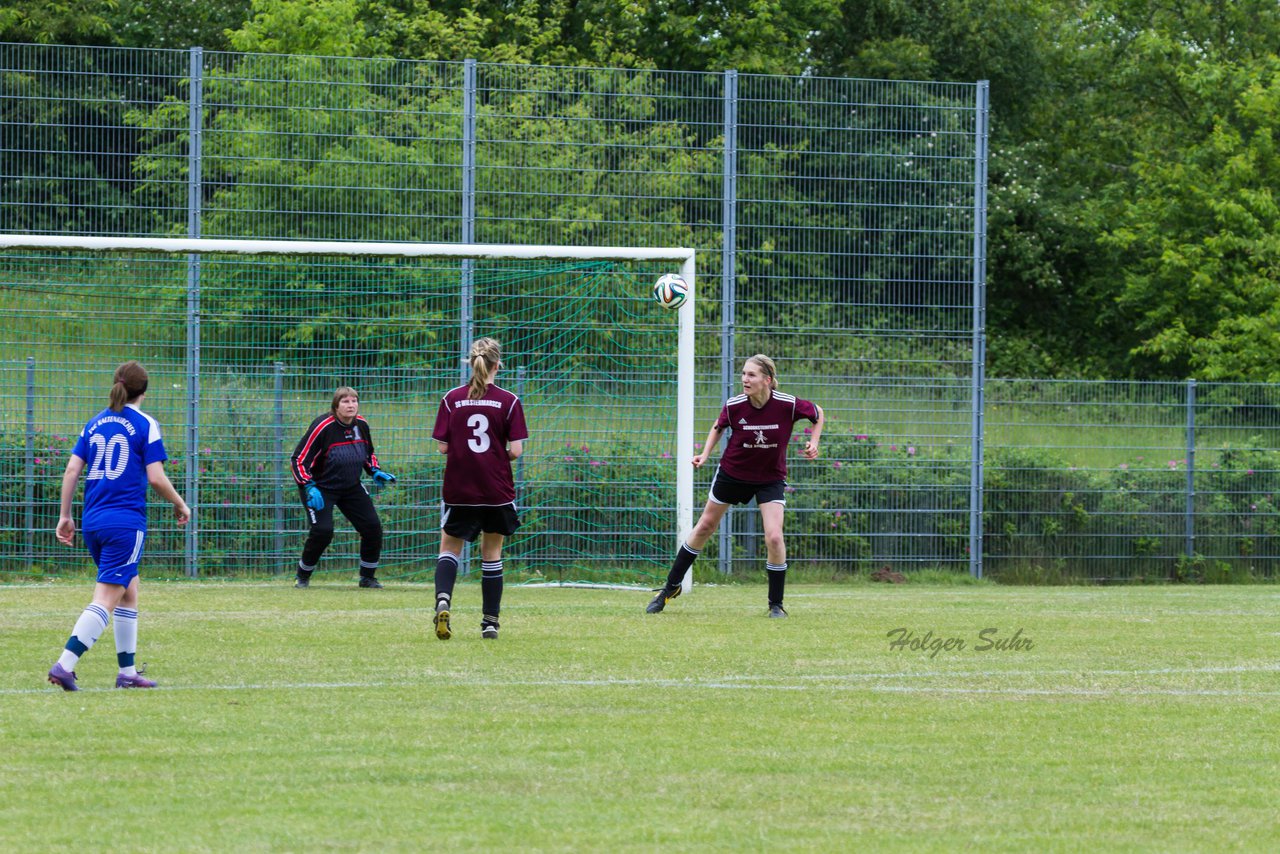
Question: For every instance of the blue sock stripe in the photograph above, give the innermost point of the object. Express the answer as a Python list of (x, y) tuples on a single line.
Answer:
[(125, 613), (100, 612)]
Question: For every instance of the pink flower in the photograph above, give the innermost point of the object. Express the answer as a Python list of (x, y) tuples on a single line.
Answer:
[(788, 489), (206, 450), (1173, 464), (596, 463), (861, 437), (911, 450), (833, 524), (1250, 471), (808, 430), (585, 449), (1124, 467), (838, 464), (893, 447), (839, 513), (666, 455), (39, 461)]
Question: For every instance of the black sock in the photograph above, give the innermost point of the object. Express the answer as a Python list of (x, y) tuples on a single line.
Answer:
[(491, 588), (684, 559), (446, 576), (777, 582)]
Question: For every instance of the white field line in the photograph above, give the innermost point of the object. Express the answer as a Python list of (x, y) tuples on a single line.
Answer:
[(866, 682)]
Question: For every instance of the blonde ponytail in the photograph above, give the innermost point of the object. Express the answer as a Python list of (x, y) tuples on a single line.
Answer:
[(485, 357)]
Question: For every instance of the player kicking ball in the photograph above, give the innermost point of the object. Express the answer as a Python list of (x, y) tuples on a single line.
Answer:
[(754, 465)]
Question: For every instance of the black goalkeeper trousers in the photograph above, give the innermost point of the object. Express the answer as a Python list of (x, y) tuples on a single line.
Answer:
[(358, 507)]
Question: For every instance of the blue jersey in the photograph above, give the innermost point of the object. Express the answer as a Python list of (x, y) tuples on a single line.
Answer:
[(117, 447)]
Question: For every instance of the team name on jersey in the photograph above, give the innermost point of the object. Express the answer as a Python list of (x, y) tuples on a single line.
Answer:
[(495, 404), (114, 419), (759, 427)]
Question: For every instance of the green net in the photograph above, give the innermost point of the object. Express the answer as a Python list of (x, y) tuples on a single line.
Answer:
[(244, 351)]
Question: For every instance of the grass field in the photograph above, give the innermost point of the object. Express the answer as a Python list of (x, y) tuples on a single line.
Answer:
[(1137, 719)]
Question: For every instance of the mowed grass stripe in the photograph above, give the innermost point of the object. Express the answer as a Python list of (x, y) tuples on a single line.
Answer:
[(1140, 719)]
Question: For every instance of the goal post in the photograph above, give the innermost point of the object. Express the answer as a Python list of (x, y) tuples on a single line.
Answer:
[(196, 248)]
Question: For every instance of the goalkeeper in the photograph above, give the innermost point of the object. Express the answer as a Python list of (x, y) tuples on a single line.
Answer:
[(327, 465)]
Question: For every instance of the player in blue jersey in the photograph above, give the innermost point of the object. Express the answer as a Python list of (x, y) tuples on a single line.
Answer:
[(122, 448), (754, 465)]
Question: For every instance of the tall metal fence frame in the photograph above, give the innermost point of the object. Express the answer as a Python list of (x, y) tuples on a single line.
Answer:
[(728, 327)]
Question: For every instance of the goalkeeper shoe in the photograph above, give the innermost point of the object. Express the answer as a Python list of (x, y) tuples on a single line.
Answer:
[(777, 611), (368, 581), (63, 678), (660, 601), (135, 681), (303, 581), (442, 622), (489, 629)]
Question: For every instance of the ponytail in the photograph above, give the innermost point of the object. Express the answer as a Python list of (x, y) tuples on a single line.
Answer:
[(485, 357), (129, 383)]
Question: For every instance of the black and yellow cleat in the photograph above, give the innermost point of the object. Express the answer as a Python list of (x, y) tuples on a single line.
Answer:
[(442, 623), (660, 601)]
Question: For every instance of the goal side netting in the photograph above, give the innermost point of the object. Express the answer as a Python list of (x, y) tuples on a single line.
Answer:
[(246, 340)]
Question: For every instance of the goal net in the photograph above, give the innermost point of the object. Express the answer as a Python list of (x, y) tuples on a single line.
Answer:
[(246, 341)]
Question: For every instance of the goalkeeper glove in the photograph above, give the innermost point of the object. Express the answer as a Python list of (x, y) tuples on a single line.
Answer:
[(314, 499), (380, 476)]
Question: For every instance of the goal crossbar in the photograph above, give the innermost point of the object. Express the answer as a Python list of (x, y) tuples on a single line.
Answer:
[(684, 256)]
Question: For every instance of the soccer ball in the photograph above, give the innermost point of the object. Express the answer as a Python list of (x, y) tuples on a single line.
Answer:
[(671, 291)]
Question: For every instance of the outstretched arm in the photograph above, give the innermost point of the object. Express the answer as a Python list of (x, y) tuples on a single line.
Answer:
[(66, 530), (713, 438), (811, 446), (164, 488)]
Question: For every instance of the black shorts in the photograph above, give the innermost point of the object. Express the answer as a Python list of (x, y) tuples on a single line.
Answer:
[(466, 522), (730, 490)]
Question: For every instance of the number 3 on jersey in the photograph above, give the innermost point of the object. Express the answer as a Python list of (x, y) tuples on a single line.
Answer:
[(479, 441), (104, 449)]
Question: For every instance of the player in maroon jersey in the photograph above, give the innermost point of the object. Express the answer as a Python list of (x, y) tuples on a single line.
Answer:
[(754, 465), (480, 429), (327, 464)]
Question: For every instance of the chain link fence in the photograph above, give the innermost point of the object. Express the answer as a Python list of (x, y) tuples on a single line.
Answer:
[(840, 226)]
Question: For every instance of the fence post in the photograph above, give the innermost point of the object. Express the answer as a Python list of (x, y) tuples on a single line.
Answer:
[(195, 123), (728, 284), (978, 378), (277, 456), (30, 467), (1190, 548), (466, 332)]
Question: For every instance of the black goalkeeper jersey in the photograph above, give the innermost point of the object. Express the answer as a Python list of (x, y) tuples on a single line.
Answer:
[(333, 455)]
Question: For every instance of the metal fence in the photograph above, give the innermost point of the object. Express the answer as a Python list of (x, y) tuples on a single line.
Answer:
[(840, 226)]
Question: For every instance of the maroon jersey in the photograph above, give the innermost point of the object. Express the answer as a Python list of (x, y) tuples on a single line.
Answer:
[(757, 450), (477, 470)]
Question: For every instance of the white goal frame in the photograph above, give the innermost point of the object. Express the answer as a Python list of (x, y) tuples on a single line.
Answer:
[(685, 379)]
